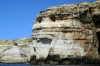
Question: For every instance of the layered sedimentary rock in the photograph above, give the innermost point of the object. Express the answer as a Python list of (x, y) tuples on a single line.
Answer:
[(67, 31), (15, 51), (60, 34)]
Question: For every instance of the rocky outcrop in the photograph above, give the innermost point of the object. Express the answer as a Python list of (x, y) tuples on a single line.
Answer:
[(67, 31), (60, 34), (12, 51)]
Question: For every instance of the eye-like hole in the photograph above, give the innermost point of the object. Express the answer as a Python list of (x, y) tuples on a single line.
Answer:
[(15, 44), (39, 19), (52, 17)]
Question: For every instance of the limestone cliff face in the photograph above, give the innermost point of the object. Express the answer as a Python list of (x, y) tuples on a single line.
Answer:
[(14, 51), (59, 33), (68, 31)]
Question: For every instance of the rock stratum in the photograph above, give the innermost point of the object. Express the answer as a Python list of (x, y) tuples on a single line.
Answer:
[(64, 34)]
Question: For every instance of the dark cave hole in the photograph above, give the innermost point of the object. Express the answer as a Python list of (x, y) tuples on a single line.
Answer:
[(44, 40), (53, 18), (15, 44), (98, 36), (33, 60), (39, 19), (96, 19), (34, 49), (83, 17)]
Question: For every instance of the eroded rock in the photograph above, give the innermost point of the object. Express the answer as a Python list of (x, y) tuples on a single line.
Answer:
[(60, 34), (72, 30)]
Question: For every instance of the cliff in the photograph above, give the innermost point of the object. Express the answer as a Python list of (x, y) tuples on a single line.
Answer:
[(60, 34)]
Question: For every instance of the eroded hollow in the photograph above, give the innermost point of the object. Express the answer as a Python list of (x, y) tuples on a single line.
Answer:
[(39, 19), (44, 40), (52, 17), (98, 36)]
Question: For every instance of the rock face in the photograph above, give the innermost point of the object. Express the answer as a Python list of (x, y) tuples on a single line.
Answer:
[(60, 34), (14, 51)]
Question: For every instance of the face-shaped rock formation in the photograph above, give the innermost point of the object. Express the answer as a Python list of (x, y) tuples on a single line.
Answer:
[(69, 31), (59, 34)]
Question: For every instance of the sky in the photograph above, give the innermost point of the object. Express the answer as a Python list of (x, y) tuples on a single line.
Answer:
[(17, 16)]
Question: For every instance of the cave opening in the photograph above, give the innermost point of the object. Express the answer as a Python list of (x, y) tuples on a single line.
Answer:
[(39, 19), (98, 36), (52, 17), (96, 20), (44, 40)]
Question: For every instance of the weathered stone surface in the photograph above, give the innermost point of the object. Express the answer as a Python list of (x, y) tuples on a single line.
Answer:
[(71, 29), (15, 51), (61, 34)]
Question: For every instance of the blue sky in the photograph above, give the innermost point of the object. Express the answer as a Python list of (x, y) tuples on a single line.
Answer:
[(17, 16)]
